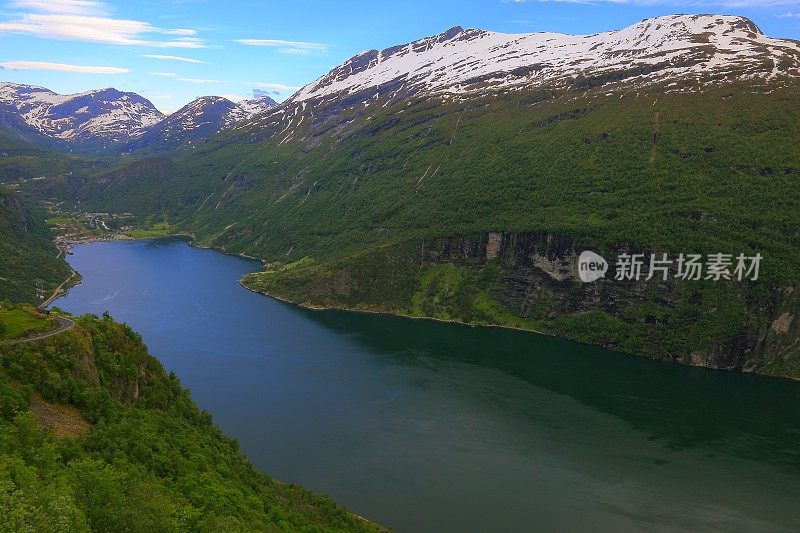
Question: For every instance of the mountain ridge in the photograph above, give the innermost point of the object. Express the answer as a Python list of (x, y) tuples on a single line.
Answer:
[(101, 117), (691, 51), (463, 61), (200, 119), (107, 119)]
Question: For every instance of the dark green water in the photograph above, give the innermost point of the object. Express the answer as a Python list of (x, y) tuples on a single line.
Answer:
[(434, 427)]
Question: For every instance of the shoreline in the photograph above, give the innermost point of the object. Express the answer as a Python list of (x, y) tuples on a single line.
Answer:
[(310, 307), (60, 291), (190, 238), (63, 290), (191, 242)]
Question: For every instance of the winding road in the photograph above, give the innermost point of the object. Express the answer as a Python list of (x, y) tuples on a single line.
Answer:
[(64, 324), (57, 292)]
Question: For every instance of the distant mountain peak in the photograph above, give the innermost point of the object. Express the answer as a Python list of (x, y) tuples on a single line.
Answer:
[(200, 119), (260, 103), (263, 97), (678, 52), (106, 118), (103, 116)]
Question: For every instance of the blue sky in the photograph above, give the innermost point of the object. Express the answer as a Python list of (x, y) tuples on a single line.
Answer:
[(172, 51)]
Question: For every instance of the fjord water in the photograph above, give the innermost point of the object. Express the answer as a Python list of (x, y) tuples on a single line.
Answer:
[(424, 426)]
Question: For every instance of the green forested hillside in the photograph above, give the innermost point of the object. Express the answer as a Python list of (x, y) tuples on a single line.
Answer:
[(344, 202), (29, 266), (96, 436), (680, 171), (20, 159)]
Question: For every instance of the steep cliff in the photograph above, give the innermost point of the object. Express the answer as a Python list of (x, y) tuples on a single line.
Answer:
[(16, 218), (530, 280), (29, 266), (138, 454)]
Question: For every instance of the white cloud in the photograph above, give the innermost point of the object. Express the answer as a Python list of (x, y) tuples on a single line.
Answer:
[(287, 47), (180, 31), (234, 97), (174, 76), (69, 7), (295, 51), (275, 88), (173, 58), (87, 20), (61, 67)]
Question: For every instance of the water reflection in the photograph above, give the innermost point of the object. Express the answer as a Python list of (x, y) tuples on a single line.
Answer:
[(681, 407), (431, 427)]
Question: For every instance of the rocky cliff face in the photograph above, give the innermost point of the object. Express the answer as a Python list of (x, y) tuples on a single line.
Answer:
[(19, 216), (530, 281), (538, 267)]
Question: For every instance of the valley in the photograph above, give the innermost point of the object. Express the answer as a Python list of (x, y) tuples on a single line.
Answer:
[(348, 194), (271, 254)]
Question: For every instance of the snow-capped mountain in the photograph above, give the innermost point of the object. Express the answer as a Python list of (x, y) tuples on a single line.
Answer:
[(111, 119), (462, 62), (679, 52), (254, 106), (199, 119), (103, 117)]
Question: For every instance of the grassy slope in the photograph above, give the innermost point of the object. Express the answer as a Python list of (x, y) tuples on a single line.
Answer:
[(22, 321), (151, 461)]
